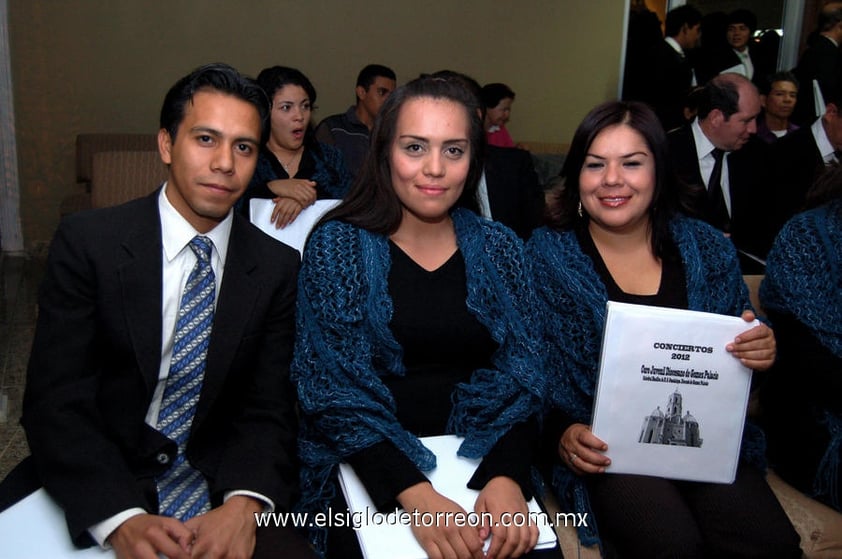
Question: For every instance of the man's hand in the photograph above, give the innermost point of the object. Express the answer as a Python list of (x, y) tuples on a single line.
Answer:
[(147, 536), (503, 495), (226, 531)]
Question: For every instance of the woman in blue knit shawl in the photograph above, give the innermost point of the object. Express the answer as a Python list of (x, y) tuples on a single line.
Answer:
[(416, 318), (615, 234), (802, 294)]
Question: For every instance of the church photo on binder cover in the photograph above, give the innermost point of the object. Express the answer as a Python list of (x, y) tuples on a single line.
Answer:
[(671, 427)]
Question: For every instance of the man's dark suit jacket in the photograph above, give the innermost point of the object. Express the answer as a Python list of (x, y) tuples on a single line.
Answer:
[(96, 357), (514, 193), (798, 163), (714, 61), (746, 179), (669, 81), (727, 58), (821, 61)]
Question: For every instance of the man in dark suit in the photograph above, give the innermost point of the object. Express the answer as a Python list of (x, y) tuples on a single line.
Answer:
[(740, 55), (724, 130), (668, 73), (800, 157), (515, 197), (171, 288), (821, 61), (509, 190)]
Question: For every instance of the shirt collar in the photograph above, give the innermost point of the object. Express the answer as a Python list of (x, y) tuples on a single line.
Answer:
[(176, 232), (822, 141), (703, 145), (674, 44)]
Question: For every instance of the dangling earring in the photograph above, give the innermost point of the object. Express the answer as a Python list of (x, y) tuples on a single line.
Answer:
[(579, 211)]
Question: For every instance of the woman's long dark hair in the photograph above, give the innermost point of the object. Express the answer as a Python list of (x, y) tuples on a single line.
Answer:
[(372, 203), (275, 78), (668, 197)]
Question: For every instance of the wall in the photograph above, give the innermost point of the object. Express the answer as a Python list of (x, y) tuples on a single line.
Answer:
[(104, 65)]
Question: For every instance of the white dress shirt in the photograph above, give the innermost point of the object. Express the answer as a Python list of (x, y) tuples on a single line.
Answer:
[(482, 197), (822, 142), (745, 59)]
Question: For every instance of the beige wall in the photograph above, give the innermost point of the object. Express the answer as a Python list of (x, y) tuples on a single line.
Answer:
[(104, 65)]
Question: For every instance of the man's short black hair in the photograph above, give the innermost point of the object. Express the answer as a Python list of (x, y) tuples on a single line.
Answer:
[(371, 72), (677, 17), (213, 77), (784, 76), (834, 95), (723, 93), (829, 17), (743, 16)]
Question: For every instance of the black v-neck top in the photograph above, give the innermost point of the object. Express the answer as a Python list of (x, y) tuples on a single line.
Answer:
[(672, 291), (443, 344)]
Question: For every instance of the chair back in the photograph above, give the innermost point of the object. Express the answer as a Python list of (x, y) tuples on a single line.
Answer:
[(120, 176)]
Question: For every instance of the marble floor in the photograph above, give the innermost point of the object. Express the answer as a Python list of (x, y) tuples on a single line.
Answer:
[(19, 279)]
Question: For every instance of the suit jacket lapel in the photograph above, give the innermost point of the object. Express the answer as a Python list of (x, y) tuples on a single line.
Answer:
[(492, 188), (234, 307), (140, 277), (685, 156)]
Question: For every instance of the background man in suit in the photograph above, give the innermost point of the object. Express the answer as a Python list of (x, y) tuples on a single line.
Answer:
[(508, 189), (741, 57), (821, 61), (729, 47), (800, 157), (350, 131), (513, 192), (667, 72), (718, 154), (162, 348)]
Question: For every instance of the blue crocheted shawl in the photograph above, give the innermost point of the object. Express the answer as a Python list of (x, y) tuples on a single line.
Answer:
[(574, 298), (344, 347), (331, 175), (804, 280), (804, 273)]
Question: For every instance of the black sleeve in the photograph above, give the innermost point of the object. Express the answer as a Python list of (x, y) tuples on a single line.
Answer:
[(533, 196), (385, 471), (555, 424), (511, 457), (804, 363)]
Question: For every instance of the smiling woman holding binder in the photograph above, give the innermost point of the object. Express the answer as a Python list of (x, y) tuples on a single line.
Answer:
[(616, 234), (415, 318)]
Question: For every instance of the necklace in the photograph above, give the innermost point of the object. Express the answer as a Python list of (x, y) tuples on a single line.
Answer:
[(287, 166)]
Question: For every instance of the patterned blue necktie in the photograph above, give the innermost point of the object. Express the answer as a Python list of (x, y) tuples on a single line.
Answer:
[(182, 490)]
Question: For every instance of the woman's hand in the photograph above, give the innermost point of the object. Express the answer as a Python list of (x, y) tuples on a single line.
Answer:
[(582, 451), (285, 212), (300, 190), (440, 539), (755, 348), (503, 496)]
